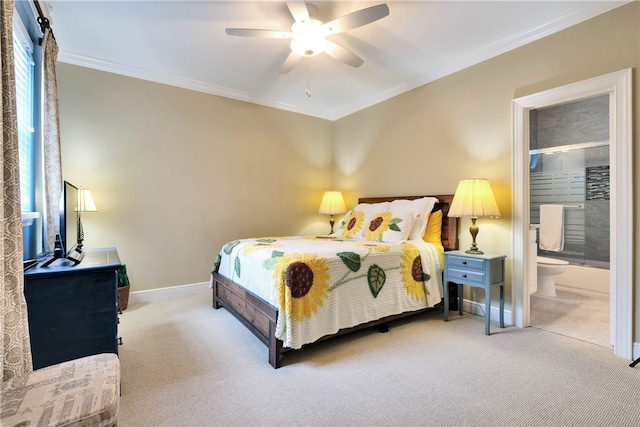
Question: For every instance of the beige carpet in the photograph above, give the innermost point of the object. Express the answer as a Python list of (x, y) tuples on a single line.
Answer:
[(186, 364)]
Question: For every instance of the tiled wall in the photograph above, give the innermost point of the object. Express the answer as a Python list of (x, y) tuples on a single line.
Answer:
[(563, 126), (585, 120)]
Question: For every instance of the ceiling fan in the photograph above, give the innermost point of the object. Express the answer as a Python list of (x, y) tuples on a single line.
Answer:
[(308, 35)]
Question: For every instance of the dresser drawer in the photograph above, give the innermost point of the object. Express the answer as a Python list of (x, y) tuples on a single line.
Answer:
[(465, 262), (465, 276)]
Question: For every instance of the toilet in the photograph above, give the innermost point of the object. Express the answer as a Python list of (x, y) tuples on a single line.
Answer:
[(546, 269)]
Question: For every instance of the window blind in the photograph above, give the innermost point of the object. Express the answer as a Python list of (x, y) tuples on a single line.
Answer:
[(24, 66)]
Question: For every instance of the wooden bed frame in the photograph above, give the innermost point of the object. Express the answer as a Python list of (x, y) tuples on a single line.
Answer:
[(260, 317)]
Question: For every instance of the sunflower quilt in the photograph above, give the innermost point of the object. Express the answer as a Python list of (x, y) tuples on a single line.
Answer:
[(321, 284)]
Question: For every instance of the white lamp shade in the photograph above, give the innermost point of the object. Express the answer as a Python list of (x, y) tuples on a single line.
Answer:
[(474, 198), (85, 201), (332, 203)]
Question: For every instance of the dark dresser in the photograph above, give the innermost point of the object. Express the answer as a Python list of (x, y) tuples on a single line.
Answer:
[(73, 309)]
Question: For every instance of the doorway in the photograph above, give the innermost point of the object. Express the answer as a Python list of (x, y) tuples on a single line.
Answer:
[(618, 86), (569, 178)]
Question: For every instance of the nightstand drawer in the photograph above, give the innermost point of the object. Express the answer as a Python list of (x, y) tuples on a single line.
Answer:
[(465, 262), (465, 276)]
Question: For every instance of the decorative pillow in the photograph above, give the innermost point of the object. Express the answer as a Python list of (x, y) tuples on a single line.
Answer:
[(351, 224), (433, 232), (372, 207), (422, 206), (390, 227)]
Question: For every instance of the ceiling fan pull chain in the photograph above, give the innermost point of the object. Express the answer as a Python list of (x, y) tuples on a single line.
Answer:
[(308, 91)]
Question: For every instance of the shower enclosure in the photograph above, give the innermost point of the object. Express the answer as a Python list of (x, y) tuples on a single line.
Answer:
[(569, 165)]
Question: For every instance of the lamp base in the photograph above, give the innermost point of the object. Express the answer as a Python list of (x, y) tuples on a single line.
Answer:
[(80, 232), (474, 232), (474, 251)]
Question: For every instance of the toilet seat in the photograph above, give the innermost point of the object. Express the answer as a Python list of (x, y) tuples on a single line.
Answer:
[(551, 261)]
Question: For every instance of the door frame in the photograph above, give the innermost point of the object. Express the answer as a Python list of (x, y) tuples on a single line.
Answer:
[(619, 85)]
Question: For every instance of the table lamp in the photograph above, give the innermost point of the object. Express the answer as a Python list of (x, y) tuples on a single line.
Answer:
[(474, 198), (332, 203)]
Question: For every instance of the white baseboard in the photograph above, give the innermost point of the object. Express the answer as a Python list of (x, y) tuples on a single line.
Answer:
[(161, 293), (474, 307)]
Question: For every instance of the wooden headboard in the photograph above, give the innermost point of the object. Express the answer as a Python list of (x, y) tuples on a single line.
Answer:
[(449, 225)]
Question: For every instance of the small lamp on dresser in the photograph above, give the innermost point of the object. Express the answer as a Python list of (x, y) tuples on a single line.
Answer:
[(474, 198), (332, 204)]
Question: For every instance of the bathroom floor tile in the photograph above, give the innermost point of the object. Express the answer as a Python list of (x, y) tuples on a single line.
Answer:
[(575, 313)]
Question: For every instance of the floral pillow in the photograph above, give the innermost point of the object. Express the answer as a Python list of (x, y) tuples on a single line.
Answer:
[(351, 224), (390, 227)]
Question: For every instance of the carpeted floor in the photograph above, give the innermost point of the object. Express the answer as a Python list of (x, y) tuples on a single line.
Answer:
[(186, 364)]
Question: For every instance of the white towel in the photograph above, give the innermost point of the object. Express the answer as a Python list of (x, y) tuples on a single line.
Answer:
[(552, 227)]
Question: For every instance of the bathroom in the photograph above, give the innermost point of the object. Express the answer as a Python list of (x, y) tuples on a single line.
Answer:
[(569, 166)]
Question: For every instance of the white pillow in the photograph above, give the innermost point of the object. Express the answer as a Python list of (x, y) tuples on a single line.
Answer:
[(389, 227), (422, 207), (372, 207)]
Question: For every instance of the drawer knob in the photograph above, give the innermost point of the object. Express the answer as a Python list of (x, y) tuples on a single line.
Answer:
[(464, 262), (464, 275)]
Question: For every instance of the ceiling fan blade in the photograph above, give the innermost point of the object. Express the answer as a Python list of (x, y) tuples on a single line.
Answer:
[(290, 62), (341, 54), (249, 32), (356, 19), (299, 10)]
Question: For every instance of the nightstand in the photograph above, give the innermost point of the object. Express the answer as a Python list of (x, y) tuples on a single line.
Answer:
[(478, 271)]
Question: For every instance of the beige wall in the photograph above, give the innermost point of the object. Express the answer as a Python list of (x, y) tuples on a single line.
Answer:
[(426, 140), (177, 173)]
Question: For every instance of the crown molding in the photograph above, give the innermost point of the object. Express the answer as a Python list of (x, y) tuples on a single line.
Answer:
[(190, 84), (493, 50)]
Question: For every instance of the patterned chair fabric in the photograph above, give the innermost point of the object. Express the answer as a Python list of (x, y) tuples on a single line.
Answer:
[(79, 393)]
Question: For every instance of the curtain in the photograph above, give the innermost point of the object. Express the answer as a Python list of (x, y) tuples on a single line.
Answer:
[(51, 143), (15, 346)]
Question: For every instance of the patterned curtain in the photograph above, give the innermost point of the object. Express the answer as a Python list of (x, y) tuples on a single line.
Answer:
[(15, 357), (51, 143)]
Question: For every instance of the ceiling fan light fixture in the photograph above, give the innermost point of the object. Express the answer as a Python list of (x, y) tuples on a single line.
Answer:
[(308, 34), (306, 27), (308, 45), (309, 39)]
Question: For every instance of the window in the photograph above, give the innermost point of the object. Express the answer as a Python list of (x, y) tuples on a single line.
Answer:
[(24, 63), (28, 71)]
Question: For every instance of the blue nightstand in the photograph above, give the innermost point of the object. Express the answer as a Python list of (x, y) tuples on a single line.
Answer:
[(479, 271)]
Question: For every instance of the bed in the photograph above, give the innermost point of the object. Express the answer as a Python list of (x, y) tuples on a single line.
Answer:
[(383, 263)]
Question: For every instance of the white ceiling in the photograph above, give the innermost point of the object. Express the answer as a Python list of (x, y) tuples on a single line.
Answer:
[(183, 43)]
